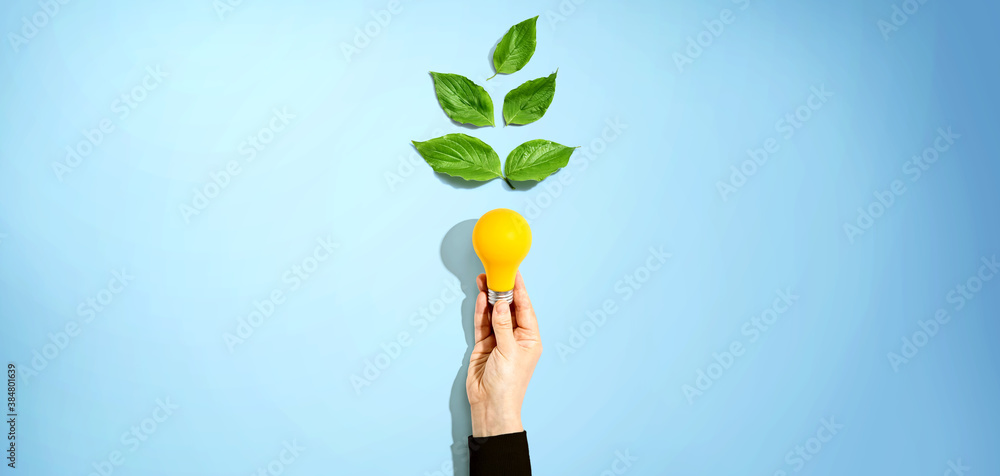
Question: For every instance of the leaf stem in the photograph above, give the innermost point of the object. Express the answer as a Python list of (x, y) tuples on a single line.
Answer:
[(505, 179), (494, 75)]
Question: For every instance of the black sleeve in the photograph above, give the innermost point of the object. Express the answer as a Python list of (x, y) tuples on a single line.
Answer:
[(500, 455)]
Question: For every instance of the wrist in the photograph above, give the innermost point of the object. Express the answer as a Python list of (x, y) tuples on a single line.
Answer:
[(495, 420)]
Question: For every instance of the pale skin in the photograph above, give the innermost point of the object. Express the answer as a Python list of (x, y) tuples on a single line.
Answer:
[(507, 348)]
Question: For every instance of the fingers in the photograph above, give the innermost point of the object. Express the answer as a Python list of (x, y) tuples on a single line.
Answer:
[(481, 318), (503, 328), (525, 312)]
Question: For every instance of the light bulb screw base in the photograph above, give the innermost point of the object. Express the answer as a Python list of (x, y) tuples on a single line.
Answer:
[(495, 296)]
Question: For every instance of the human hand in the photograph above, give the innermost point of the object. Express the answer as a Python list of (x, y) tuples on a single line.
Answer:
[(507, 348)]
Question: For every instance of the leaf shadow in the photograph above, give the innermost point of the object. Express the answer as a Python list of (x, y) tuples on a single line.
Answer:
[(456, 182), (489, 57), (463, 125), (524, 186)]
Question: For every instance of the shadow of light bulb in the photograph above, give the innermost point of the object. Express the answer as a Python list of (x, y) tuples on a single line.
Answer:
[(459, 257)]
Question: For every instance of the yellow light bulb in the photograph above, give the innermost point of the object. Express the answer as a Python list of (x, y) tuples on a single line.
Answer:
[(501, 239)]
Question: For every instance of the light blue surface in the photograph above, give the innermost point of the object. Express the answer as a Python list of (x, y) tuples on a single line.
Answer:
[(402, 240)]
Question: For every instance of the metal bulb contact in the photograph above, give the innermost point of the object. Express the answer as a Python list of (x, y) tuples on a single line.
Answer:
[(494, 296)]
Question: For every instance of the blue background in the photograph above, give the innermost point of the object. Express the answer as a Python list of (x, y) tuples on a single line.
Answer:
[(343, 169)]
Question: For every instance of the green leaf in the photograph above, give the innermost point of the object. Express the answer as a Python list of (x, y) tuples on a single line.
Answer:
[(461, 156), (462, 100), (515, 48), (529, 101), (536, 159)]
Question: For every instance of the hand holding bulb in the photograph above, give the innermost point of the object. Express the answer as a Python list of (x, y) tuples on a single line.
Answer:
[(508, 344), (507, 348)]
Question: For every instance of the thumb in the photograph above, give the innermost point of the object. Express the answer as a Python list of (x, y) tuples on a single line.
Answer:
[(503, 328)]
